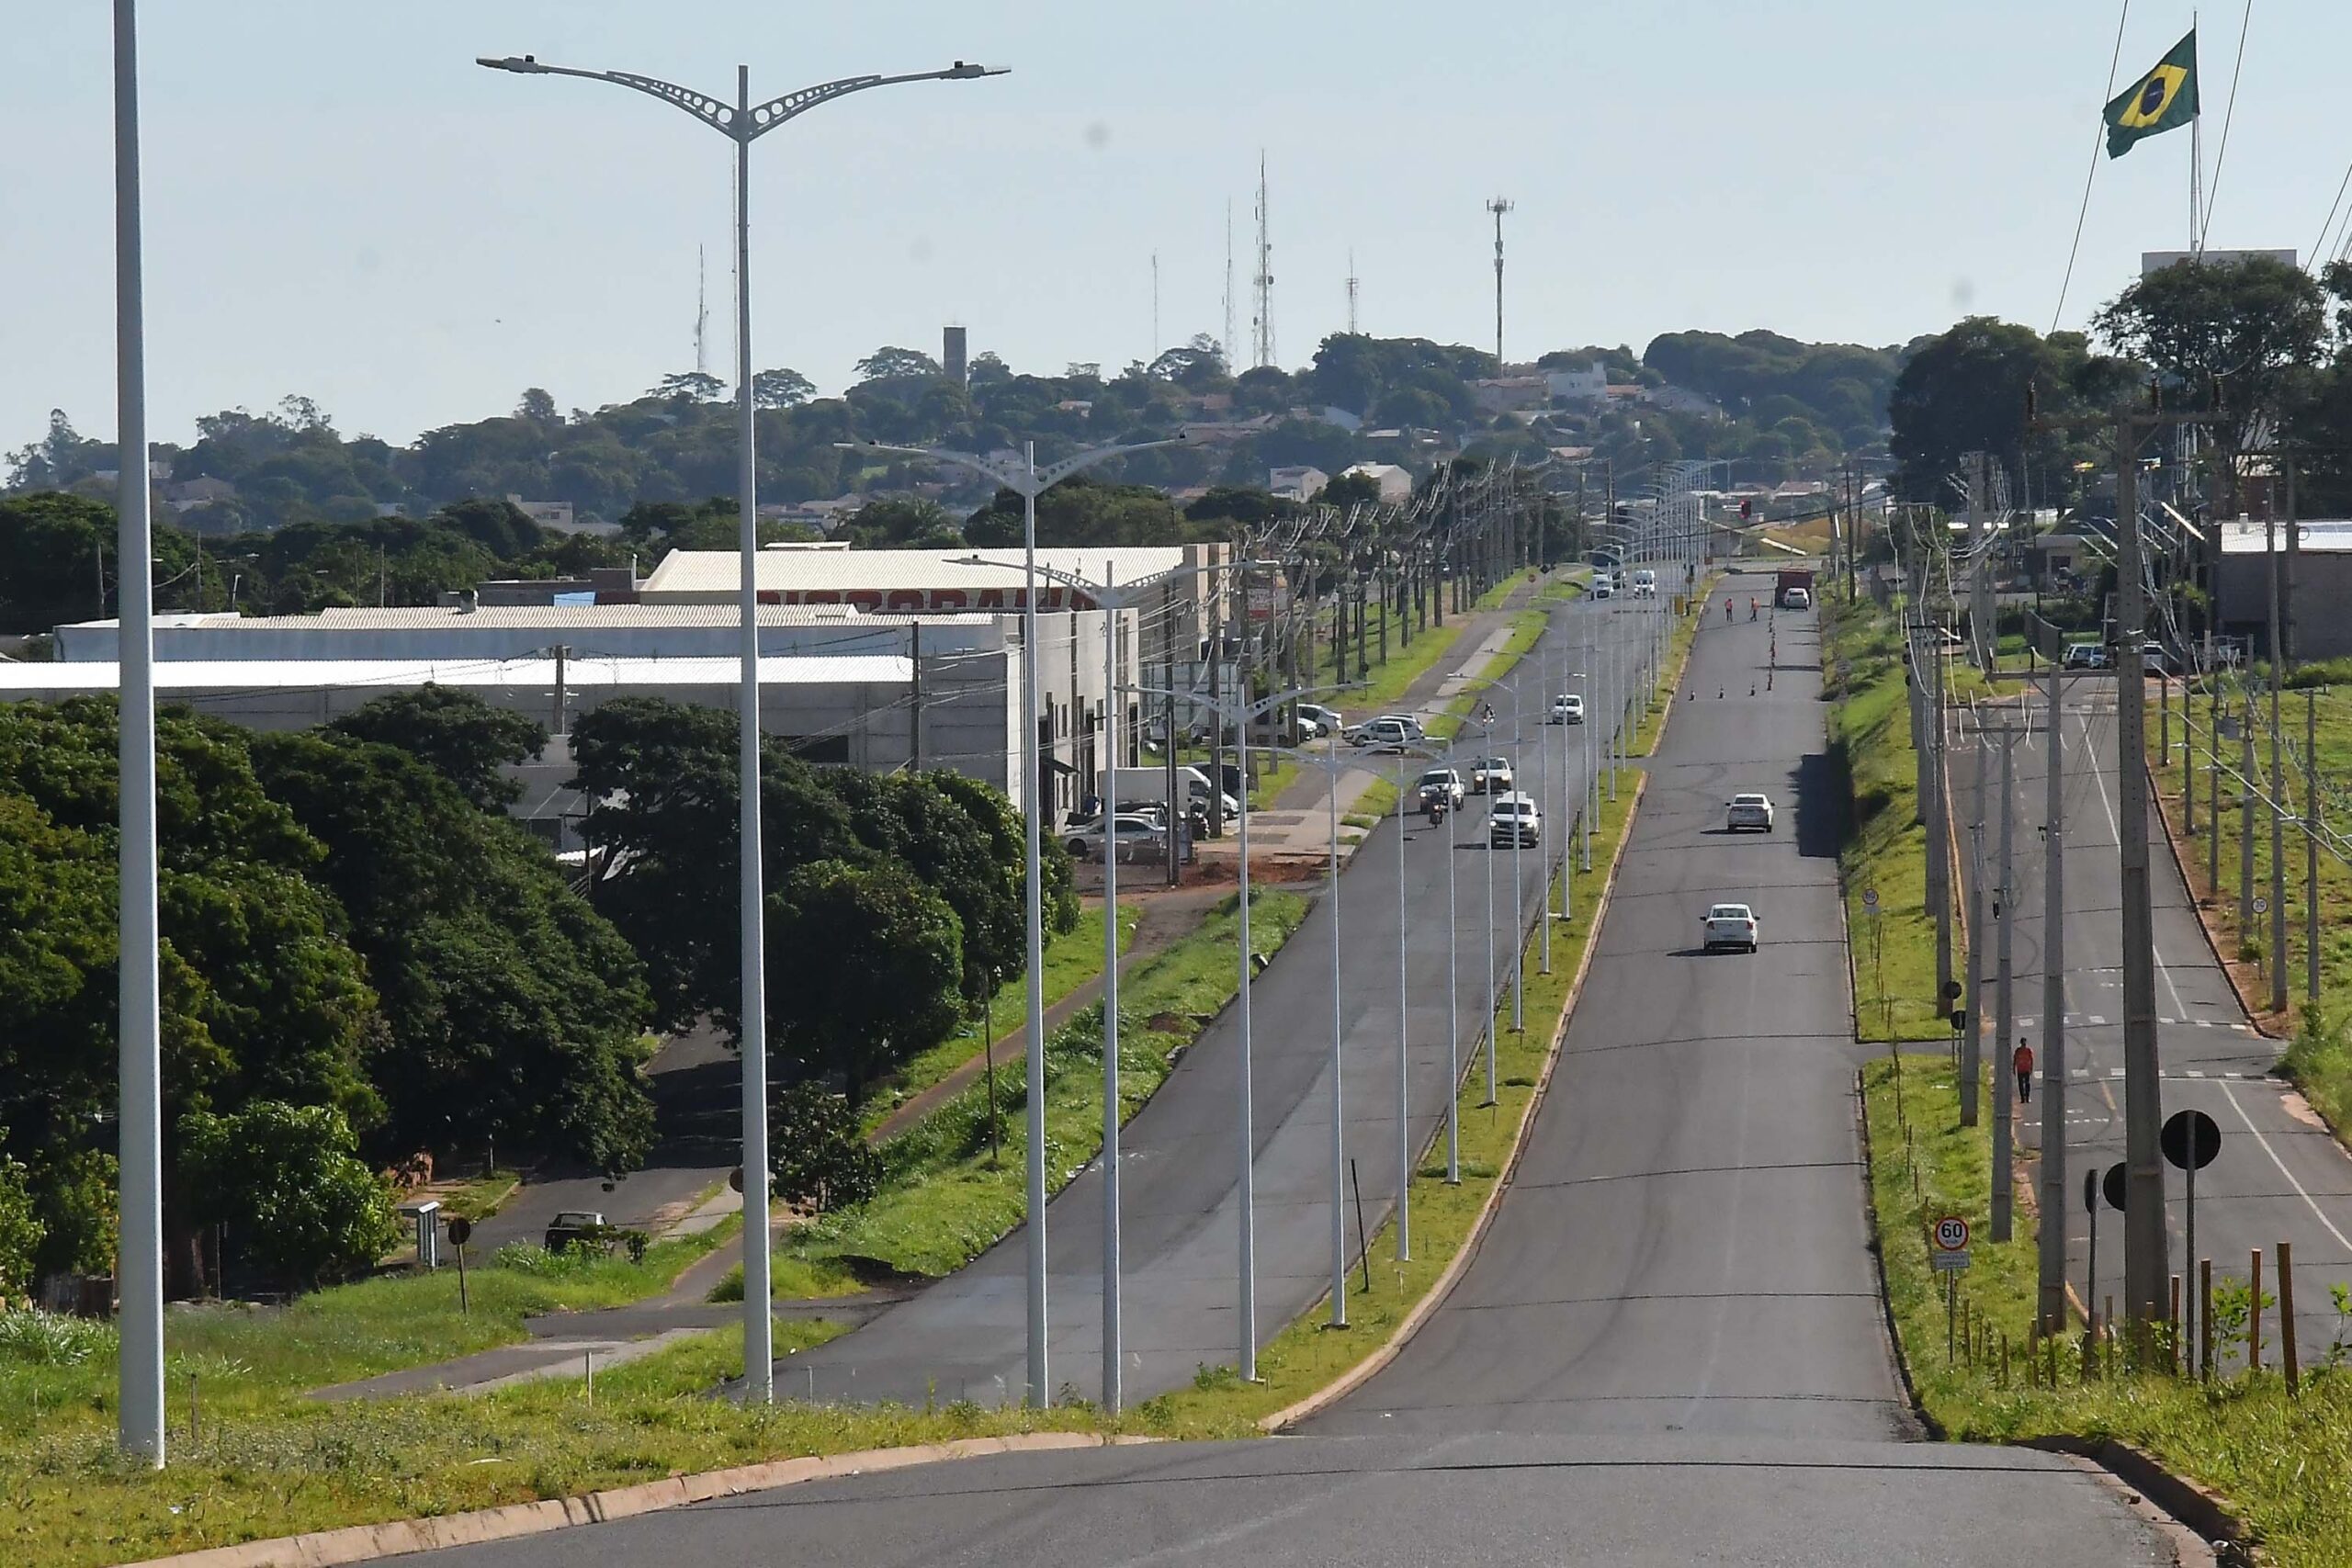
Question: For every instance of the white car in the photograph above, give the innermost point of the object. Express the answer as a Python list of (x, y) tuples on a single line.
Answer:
[(1645, 591), (1567, 708), (1491, 776), (1750, 809), (1324, 721), (1603, 589), (1442, 779), (1513, 819), (1796, 599), (1730, 925), (1393, 733)]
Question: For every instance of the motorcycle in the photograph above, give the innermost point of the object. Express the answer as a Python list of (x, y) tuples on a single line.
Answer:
[(1436, 801)]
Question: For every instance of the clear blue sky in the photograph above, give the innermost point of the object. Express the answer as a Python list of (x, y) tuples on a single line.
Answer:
[(341, 203)]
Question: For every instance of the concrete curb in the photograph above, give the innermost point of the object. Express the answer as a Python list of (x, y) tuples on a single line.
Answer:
[(362, 1543), (1893, 1332), (2204, 926), (1364, 1371), (2197, 1506)]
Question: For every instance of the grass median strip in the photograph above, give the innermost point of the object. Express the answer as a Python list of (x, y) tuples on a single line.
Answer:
[(2281, 1462)]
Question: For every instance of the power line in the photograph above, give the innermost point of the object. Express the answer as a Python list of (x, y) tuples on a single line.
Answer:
[(2113, 64), (2245, 20)]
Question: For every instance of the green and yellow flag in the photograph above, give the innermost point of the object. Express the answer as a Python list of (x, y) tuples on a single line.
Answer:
[(2162, 100)]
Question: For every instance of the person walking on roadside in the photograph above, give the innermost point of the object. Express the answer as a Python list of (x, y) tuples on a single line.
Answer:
[(2023, 1063)]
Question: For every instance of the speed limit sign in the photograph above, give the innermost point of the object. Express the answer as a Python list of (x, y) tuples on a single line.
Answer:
[(1951, 1234)]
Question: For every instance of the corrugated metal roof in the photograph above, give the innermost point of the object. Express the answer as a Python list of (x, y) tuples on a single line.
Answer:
[(712, 572), (312, 674), (2328, 535), (551, 617)]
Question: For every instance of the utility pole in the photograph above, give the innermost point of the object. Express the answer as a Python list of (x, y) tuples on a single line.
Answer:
[(1974, 1004), (2278, 783), (1939, 841), (2051, 1253), (2145, 1244), (2246, 820), (1499, 206), (2310, 845), (2004, 915), (1980, 632)]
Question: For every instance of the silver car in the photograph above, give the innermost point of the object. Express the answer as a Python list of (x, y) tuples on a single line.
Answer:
[(1750, 809)]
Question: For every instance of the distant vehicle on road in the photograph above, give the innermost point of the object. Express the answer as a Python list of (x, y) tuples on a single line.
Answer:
[(1513, 819), (1730, 925), (1603, 589), (1796, 598), (2088, 655), (1750, 809), (2154, 660), (1442, 780), (1325, 721), (1491, 776), (575, 1227), (1567, 708)]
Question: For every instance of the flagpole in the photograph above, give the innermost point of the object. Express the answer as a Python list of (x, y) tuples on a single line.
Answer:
[(2196, 164)]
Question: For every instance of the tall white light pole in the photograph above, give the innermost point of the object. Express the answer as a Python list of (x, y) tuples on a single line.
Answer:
[(743, 124), (139, 1246), (1404, 1065), (1339, 1093), (1547, 695), (1029, 482)]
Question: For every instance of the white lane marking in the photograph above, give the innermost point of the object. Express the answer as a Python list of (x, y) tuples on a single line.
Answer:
[(2114, 825), (2341, 1240)]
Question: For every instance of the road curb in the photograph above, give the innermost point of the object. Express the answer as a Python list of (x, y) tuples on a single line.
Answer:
[(1893, 1332), (2195, 1505), (2204, 927), (362, 1543), (1364, 1371)]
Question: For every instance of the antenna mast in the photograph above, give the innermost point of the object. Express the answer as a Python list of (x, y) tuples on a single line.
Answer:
[(1262, 326), (1352, 293), (1499, 205), (1228, 346), (1155, 305), (702, 314)]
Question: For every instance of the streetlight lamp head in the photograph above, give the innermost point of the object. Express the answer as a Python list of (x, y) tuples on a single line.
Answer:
[(527, 64), (964, 71)]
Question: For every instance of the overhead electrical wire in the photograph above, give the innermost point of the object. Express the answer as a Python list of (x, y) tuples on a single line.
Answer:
[(2091, 175), (2245, 20)]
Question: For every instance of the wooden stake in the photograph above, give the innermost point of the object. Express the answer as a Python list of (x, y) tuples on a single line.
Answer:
[(2172, 1351), (2254, 1315), (2205, 1318), (2287, 1317), (2005, 1358), (2107, 1340)]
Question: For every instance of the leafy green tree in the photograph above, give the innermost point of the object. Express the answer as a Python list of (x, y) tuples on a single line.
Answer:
[(21, 1231), (920, 822), (1082, 510), (818, 1156), (864, 966), (455, 732), (1351, 489), (511, 1009), (896, 364), (288, 1178), (1966, 390), (903, 523), (780, 388)]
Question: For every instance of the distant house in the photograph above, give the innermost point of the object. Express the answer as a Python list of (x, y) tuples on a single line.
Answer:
[(1396, 484), (1680, 399), (206, 491), (1509, 394), (1297, 483), (1588, 386)]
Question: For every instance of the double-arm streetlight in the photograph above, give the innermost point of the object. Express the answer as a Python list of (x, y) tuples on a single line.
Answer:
[(1029, 482), (743, 123)]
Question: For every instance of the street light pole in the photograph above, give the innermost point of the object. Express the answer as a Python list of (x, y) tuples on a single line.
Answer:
[(1404, 1079), (744, 124), (140, 1248), (1029, 482)]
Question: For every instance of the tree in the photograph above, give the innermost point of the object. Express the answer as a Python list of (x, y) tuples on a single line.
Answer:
[(864, 964), (455, 732), (943, 833), (538, 406), (2238, 338), (894, 364), (818, 1156), (1350, 489), (780, 388), (20, 1230), (289, 1180), (690, 386), (511, 1009), (1966, 390), (903, 523)]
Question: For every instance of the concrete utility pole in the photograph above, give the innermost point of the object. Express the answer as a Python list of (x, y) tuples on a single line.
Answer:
[(2051, 1253), (2145, 1244), (1939, 837), (2006, 914), (2310, 845), (2246, 820), (1971, 1057), (2277, 784), (1982, 634)]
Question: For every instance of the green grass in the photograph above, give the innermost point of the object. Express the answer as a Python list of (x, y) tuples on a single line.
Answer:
[(943, 1202), (2283, 1463), (482, 1196), (1678, 653), (1893, 950), (1073, 958)]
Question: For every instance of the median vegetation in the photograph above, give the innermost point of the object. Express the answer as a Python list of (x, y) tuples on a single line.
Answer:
[(2277, 1459)]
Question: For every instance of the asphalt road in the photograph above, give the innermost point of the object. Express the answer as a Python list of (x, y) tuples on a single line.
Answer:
[(1669, 1349), (2281, 1175), (1685, 1247), (965, 1336)]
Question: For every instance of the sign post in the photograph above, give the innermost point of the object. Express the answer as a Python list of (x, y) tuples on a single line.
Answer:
[(1947, 1253), (461, 1230), (2190, 1142)]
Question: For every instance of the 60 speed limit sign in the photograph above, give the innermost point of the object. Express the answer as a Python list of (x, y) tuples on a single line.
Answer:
[(1951, 1242)]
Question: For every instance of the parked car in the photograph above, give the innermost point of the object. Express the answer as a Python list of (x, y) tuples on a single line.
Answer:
[(1730, 925), (2088, 655), (1388, 734), (1327, 721), (1491, 776), (1750, 809), (2154, 660), (1513, 819), (1567, 708), (1137, 835), (1444, 781), (575, 1227)]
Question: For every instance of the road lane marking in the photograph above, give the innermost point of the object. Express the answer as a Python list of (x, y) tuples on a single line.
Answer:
[(2342, 1240)]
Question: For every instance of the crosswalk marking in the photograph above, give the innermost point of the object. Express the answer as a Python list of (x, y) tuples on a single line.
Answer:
[(2100, 1021)]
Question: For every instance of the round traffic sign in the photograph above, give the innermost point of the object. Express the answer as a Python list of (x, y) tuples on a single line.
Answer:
[(460, 1230), (1869, 900), (2190, 1135), (2112, 1185), (1951, 1234)]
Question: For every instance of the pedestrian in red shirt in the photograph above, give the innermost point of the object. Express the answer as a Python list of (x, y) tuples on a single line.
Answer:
[(2023, 1062)]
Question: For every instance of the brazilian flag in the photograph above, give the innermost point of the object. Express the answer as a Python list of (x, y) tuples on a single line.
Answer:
[(2164, 99)]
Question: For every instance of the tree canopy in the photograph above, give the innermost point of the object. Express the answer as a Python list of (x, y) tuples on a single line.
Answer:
[(454, 732)]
